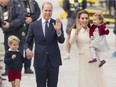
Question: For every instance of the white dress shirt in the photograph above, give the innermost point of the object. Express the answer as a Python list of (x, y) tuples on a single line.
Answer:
[(43, 26)]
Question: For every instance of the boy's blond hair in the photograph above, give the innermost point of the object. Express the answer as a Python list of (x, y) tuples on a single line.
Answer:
[(12, 38)]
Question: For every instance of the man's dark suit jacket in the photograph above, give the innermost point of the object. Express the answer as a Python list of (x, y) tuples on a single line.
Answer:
[(44, 46)]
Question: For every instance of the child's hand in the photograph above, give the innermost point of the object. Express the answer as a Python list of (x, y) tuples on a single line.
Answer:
[(13, 56), (106, 29), (92, 37)]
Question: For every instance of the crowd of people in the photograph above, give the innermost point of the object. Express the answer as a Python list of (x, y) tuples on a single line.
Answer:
[(22, 27)]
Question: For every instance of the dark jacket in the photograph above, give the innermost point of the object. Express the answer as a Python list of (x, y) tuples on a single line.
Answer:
[(14, 64), (36, 10), (34, 13), (37, 13), (16, 18)]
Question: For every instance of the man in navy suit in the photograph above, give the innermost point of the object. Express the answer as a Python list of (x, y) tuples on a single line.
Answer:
[(46, 33)]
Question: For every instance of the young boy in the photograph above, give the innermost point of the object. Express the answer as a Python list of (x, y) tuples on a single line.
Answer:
[(14, 60)]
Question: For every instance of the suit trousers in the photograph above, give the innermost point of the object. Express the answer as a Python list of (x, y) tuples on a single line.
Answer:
[(47, 76)]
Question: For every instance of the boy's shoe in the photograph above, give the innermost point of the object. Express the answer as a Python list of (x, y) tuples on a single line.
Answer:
[(92, 61), (102, 63)]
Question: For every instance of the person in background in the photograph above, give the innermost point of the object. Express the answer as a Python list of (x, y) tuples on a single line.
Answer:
[(114, 6), (12, 18), (0, 76), (99, 45), (71, 7), (46, 33), (1, 79), (32, 13), (14, 60)]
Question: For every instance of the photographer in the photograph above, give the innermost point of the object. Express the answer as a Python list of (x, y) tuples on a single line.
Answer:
[(32, 13)]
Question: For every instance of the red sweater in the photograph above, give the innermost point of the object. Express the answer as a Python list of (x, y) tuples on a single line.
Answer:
[(101, 30)]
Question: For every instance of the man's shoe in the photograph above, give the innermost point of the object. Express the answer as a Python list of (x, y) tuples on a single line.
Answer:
[(28, 71), (5, 73), (102, 63), (92, 61)]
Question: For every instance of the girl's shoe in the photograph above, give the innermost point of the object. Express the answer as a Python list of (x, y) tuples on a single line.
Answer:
[(92, 61), (102, 63)]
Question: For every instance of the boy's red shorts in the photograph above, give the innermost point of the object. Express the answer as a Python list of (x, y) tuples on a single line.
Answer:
[(12, 75)]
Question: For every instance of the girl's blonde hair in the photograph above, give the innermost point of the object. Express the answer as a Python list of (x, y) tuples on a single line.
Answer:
[(100, 16), (12, 38)]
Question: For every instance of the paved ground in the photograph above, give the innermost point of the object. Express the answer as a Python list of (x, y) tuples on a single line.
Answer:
[(69, 70)]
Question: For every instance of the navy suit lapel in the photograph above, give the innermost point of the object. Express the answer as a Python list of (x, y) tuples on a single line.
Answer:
[(50, 29), (51, 26)]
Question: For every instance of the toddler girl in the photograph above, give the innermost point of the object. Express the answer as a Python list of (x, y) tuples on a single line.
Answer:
[(98, 32)]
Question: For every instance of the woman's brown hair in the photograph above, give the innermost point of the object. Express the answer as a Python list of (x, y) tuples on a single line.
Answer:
[(78, 17)]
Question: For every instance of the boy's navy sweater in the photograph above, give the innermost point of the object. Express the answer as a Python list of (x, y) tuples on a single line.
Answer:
[(16, 63)]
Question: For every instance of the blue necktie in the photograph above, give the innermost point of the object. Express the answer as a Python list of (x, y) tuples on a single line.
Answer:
[(46, 29)]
